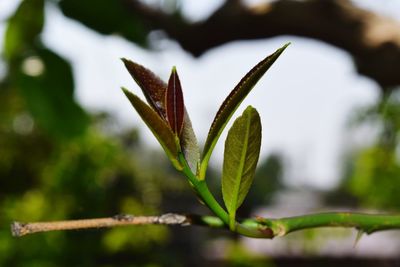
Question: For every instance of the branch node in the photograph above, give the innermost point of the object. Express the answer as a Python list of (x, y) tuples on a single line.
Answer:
[(17, 229), (124, 217), (173, 218)]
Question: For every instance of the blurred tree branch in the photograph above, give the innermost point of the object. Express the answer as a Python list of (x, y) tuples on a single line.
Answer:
[(372, 40)]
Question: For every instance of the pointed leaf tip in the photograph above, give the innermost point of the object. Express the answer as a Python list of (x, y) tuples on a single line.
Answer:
[(152, 86), (174, 104), (232, 102), (154, 90)]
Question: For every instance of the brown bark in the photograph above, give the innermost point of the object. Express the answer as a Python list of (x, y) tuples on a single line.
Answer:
[(21, 229)]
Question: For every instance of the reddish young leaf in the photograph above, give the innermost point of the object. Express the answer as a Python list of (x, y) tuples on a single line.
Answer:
[(175, 108), (158, 126), (154, 90), (152, 86)]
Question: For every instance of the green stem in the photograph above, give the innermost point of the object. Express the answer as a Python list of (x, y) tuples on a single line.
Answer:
[(203, 191), (201, 188), (367, 223), (270, 228)]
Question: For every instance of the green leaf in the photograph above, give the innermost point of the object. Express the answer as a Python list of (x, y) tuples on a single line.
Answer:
[(189, 144), (174, 104), (46, 84), (242, 149), (158, 127), (23, 28), (152, 86), (232, 102)]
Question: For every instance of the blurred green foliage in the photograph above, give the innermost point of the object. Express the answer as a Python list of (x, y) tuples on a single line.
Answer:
[(23, 29), (239, 256), (49, 95), (92, 176), (43, 78), (373, 175), (59, 162)]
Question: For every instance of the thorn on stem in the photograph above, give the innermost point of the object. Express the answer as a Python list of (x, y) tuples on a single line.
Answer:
[(360, 233)]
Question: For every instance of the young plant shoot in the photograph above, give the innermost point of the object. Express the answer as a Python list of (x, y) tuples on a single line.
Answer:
[(167, 118)]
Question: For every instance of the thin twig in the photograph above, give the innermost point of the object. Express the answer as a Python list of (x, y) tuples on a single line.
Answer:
[(268, 227), (20, 229)]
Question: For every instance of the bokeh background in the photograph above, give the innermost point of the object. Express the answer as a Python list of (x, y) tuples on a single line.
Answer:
[(72, 147)]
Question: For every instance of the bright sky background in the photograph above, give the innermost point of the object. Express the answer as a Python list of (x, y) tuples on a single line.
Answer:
[(304, 100)]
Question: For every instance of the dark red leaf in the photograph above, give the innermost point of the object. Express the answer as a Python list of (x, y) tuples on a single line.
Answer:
[(175, 108), (152, 86)]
